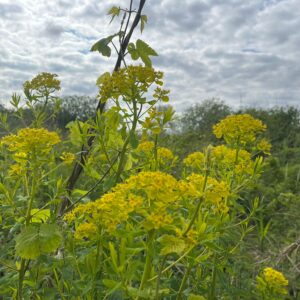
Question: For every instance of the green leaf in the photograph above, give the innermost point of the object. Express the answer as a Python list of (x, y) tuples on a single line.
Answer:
[(114, 257), (144, 48), (35, 240), (171, 244), (144, 51), (133, 52), (39, 215), (102, 45), (195, 297), (144, 20), (114, 11)]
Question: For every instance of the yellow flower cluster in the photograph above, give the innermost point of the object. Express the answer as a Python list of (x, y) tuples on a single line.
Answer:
[(239, 129), (127, 82), (148, 194), (67, 157), (42, 82), (227, 159), (164, 155), (145, 147), (85, 230), (29, 141), (264, 146), (272, 281), (212, 191), (195, 161)]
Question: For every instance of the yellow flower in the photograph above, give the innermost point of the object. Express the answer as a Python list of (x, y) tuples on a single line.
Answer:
[(195, 160), (272, 281), (67, 157), (214, 193), (15, 169), (264, 146), (239, 129), (227, 159), (85, 230), (147, 194), (31, 141), (125, 81), (146, 147)]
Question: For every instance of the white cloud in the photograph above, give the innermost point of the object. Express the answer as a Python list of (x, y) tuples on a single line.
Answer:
[(240, 51)]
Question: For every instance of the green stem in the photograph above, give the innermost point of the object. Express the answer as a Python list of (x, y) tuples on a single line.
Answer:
[(149, 257), (24, 266), (124, 148), (214, 279), (157, 296), (183, 282), (155, 152), (198, 205), (21, 279)]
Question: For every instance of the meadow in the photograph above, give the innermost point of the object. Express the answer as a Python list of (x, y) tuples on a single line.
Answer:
[(129, 200)]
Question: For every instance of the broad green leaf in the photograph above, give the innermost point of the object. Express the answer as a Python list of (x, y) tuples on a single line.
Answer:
[(144, 48), (36, 240), (145, 51), (171, 244), (39, 215), (133, 52), (102, 45)]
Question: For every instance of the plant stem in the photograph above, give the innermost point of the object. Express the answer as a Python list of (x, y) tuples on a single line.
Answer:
[(149, 257), (157, 296), (183, 282), (198, 205), (213, 283)]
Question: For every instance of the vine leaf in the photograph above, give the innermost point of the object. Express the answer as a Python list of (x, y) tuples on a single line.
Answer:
[(102, 45), (36, 240), (141, 50)]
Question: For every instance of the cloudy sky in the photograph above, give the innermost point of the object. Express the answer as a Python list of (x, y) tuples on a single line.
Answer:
[(245, 52)]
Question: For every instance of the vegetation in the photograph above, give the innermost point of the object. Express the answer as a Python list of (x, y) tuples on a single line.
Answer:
[(130, 201)]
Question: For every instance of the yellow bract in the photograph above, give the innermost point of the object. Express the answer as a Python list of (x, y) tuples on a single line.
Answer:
[(148, 194), (195, 160), (239, 129), (212, 191), (28, 141), (67, 157), (272, 281), (129, 83)]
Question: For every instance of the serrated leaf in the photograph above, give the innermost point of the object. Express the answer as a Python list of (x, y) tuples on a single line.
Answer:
[(36, 240), (171, 244), (144, 20), (39, 215), (143, 47)]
